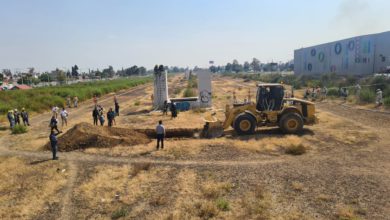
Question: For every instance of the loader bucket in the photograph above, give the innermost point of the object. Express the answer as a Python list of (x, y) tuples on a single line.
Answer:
[(213, 128)]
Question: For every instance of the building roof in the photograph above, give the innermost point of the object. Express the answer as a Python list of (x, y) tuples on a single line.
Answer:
[(22, 87)]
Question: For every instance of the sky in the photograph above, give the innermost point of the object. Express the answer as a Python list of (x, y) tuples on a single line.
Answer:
[(49, 34)]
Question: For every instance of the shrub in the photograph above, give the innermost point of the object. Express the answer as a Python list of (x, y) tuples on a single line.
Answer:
[(122, 212), (222, 204), (189, 92), (137, 103), (295, 149), (19, 129), (367, 95), (333, 92), (386, 101)]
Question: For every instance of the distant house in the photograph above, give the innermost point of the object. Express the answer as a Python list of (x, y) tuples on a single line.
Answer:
[(21, 87)]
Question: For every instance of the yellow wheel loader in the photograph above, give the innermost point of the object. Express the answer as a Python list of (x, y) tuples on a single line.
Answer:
[(270, 109)]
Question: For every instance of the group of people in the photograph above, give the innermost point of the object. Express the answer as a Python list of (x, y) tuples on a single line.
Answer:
[(14, 117), (316, 93), (172, 107), (69, 102), (98, 113)]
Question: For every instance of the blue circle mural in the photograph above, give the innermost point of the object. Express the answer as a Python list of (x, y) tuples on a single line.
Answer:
[(313, 52), (321, 57), (310, 67), (337, 48), (351, 45)]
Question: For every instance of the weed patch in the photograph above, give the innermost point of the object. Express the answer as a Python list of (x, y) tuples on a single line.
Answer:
[(223, 204), (298, 149), (19, 129), (122, 212)]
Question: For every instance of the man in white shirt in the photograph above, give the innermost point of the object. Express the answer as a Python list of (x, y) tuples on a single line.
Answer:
[(64, 117), (160, 131)]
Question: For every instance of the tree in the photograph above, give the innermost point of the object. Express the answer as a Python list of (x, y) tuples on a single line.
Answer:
[(236, 67), (61, 77), (255, 64), (247, 66), (75, 72), (109, 72), (228, 67), (142, 70), (213, 69), (45, 77)]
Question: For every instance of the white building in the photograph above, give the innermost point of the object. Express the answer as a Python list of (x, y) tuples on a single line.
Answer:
[(360, 55)]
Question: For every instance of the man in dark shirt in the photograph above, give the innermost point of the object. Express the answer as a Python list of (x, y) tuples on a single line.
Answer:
[(53, 143)]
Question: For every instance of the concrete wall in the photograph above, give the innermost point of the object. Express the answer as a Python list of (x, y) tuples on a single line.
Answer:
[(160, 90), (204, 88), (357, 55)]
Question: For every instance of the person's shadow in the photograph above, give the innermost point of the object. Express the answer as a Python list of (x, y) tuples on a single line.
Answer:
[(39, 161)]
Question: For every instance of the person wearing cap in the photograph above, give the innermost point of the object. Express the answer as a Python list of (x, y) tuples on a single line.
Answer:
[(17, 117), (25, 117), (53, 143), (379, 98), (11, 118)]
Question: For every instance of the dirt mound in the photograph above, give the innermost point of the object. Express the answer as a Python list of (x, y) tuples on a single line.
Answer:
[(86, 135)]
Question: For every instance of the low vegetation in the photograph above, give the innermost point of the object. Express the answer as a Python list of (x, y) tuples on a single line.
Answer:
[(19, 129), (332, 81), (40, 99), (295, 149)]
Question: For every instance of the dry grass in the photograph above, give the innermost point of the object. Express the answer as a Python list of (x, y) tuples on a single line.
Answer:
[(28, 190), (139, 167), (346, 213), (270, 143), (297, 186), (213, 190), (256, 204), (295, 149)]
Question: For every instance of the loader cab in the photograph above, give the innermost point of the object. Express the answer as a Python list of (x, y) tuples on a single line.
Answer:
[(269, 97)]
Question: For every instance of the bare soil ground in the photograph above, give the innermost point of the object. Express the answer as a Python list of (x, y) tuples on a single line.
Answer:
[(115, 173)]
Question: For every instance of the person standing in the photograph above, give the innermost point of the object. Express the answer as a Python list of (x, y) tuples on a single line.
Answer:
[(358, 88), (64, 117), (68, 101), (324, 92), (53, 124), (160, 133), (53, 143), (24, 115), (110, 117), (165, 108), (75, 101), (173, 110), (116, 108), (101, 116), (95, 115), (54, 110), (379, 98), (17, 117), (11, 118)]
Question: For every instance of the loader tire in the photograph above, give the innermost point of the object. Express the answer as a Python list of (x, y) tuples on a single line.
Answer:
[(245, 124), (291, 123)]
